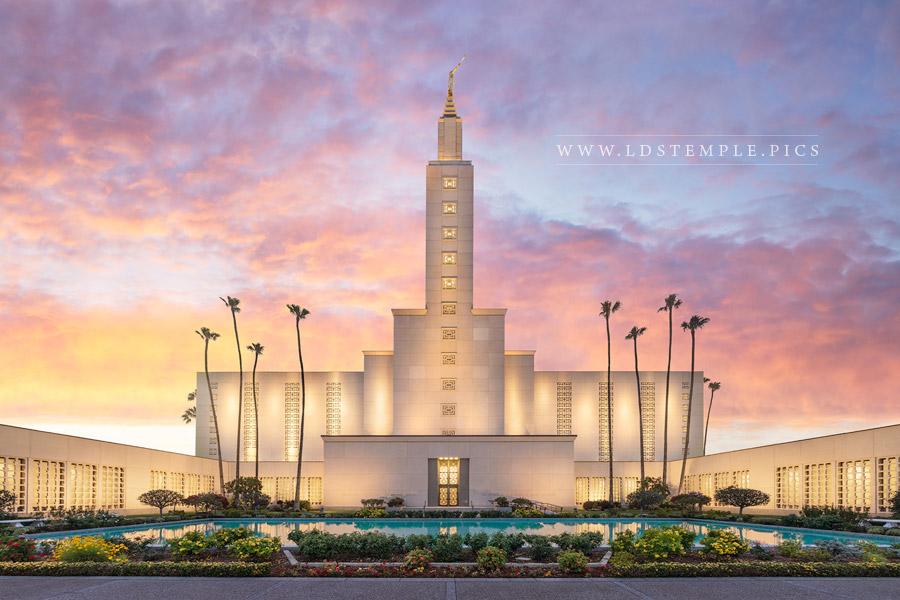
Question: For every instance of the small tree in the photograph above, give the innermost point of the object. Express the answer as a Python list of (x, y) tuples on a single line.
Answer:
[(741, 497), (249, 489), (207, 502), (161, 499), (651, 494), (7, 501), (895, 504), (691, 500)]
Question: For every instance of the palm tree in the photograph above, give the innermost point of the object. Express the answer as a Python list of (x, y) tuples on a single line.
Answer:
[(671, 302), (713, 387), (190, 413), (634, 334), (693, 325), (210, 336), (256, 348), (233, 305), (299, 313), (607, 308)]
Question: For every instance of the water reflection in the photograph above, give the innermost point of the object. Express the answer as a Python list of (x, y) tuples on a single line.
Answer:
[(280, 528)]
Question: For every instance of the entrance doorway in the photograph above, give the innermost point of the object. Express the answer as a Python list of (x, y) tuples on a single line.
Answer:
[(448, 481)]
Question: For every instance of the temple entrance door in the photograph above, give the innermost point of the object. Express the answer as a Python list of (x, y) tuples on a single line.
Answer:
[(448, 482)]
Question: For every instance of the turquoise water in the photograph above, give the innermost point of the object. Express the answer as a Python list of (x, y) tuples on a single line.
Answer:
[(763, 534)]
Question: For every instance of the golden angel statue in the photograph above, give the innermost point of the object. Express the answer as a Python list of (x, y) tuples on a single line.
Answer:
[(453, 75)]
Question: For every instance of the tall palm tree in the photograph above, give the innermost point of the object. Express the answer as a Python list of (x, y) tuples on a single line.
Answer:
[(607, 308), (190, 413), (671, 302), (693, 325), (233, 305), (634, 334), (299, 313), (256, 348), (713, 387), (211, 336)]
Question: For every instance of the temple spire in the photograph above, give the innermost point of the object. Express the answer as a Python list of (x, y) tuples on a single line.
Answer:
[(450, 123), (449, 106)]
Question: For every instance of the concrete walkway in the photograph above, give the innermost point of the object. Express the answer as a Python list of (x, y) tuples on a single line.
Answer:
[(272, 588)]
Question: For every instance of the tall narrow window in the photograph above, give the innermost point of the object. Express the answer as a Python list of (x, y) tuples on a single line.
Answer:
[(48, 485), (563, 408), (605, 415), (248, 422), (12, 479), (648, 418), (888, 481), (448, 481), (291, 421), (787, 487), (212, 446), (333, 408), (112, 481), (817, 485)]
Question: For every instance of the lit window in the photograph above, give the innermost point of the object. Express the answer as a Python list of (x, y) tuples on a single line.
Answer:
[(448, 308), (448, 208), (448, 333), (448, 258), (448, 384), (449, 233), (448, 283), (449, 183)]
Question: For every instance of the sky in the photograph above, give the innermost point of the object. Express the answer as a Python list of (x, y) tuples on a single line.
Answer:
[(155, 156)]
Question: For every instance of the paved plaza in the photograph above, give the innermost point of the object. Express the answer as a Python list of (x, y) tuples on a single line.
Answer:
[(200, 588)]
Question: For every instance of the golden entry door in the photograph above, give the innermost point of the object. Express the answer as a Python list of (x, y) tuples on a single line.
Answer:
[(448, 481)]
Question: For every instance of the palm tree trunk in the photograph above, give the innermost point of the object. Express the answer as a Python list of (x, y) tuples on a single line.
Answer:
[(212, 404), (302, 420), (687, 435), (237, 448), (665, 470), (255, 419), (609, 405), (637, 376), (708, 412)]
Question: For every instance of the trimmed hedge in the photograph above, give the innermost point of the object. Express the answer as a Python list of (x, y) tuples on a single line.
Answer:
[(143, 569), (755, 569)]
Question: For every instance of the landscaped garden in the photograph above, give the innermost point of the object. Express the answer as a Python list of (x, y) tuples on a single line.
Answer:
[(654, 548)]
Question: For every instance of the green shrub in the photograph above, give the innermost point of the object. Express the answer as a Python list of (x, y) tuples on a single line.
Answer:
[(319, 545), (892, 531), (659, 542), (476, 541), (372, 502), (814, 555), (540, 549), (88, 549), (521, 503), (691, 500), (652, 493), (789, 548), (741, 497), (759, 552), (895, 503), (370, 513), (137, 569), (838, 550), (161, 499), (500, 502), (447, 548), (417, 540), (16, 549), (623, 542), (491, 559), (756, 569), (764, 520), (621, 559), (396, 502), (723, 543), (222, 538), (417, 560), (572, 562), (254, 549), (191, 544), (524, 512), (508, 542), (583, 542)]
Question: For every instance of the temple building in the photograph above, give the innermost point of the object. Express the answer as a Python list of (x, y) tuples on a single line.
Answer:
[(449, 417)]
